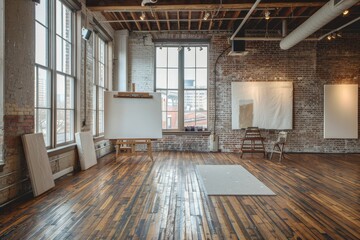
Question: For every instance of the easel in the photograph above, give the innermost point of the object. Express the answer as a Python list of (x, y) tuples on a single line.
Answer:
[(127, 147)]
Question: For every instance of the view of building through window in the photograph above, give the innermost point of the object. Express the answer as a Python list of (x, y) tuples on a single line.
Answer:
[(181, 73)]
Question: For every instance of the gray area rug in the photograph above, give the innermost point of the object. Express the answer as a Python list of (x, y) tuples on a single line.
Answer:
[(230, 180)]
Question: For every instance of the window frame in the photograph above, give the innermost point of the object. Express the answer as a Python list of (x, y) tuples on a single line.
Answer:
[(2, 68), (181, 81), (97, 87), (51, 67)]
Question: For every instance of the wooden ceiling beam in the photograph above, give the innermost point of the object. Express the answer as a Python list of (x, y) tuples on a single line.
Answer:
[(147, 23), (136, 21), (234, 16), (167, 20), (221, 21), (200, 7), (178, 19), (210, 24), (157, 21), (189, 22), (201, 19), (126, 23)]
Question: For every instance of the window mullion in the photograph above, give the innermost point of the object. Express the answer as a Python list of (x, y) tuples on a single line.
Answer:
[(181, 91)]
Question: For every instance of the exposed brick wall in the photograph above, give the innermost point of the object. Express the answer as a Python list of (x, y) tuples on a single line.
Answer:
[(19, 98), (308, 65)]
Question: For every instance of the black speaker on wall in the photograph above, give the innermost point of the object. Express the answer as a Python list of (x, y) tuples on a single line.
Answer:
[(238, 45), (86, 33)]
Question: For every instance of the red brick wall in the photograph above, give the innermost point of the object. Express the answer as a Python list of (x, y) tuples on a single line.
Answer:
[(308, 65)]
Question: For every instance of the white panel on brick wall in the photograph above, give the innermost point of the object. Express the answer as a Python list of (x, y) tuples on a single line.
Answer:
[(341, 111), (266, 105), (132, 117)]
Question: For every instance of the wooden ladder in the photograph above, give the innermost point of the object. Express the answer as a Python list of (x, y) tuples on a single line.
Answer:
[(252, 142)]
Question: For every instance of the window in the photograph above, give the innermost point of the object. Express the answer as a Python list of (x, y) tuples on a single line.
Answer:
[(99, 84), (54, 73), (181, 78)]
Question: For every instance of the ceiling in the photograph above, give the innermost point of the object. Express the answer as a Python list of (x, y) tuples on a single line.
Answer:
[(225, 15)]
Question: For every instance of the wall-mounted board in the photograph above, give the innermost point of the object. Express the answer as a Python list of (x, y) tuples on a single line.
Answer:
[(38, 163), (266, 105), (86, 149), (132, 118), (341, 111)]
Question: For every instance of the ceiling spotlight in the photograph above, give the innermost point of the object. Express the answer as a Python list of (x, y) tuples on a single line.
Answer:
[(188, 48), (328, 37), (143, 16), (267, 15), (201, 48), (207, 15), (179, 48), (346, 12), (338, 35)]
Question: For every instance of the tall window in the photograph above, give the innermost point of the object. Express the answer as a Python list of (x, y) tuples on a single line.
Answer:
[(181, 77), (54, 73), (99, 84)]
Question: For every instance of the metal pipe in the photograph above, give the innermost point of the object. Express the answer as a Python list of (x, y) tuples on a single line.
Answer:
[(319, 19), (339, 28), (267, 39), (245, 19), (284, 28)]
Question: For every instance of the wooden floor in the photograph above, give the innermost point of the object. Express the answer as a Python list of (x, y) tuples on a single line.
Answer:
[(318, 197)]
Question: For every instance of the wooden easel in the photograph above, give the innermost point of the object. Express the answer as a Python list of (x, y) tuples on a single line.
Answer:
[(127, 147)]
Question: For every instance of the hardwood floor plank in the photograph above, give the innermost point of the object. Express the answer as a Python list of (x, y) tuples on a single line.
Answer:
[(318, 197)]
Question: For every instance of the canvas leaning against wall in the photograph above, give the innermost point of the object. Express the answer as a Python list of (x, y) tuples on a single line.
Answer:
[(267, 105)]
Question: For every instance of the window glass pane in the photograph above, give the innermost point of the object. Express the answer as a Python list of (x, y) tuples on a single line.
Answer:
[(69, 92), (189, 101), (101, 51), (101, 99), (173, 100), (101, 121), (172, 120), (173, 60), (164, 120), (66, 23), (173, 78), (60, 126), (94, 110), (189, 57), (189, 119), (189, 78), (201, 78), (161, 78), (201, 100), (41, 46), (59, 50), (60, 91), (201, 57), (41, 11), (201, 119), (67, 57), (43, 89), (43, 124), (161, 57), (69, 125), (163, 99), (58, 17), (101, 75)]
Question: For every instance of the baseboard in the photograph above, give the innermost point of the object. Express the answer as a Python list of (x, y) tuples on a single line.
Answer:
[(63, 172)]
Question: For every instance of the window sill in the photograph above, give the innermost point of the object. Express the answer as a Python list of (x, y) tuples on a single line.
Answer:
[(179, 133), (60, 150), (98, 138)]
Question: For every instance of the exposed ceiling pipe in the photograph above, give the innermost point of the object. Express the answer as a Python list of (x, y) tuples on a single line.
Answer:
[(245, 19), (144, 2), (339, 28), (323, 16), (267, 39), (284, 31)]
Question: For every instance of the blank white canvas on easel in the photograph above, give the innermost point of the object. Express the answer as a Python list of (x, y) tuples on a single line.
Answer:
[(341, 111)]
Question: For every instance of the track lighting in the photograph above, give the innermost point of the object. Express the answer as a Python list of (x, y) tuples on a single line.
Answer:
[(201, 48), (328, 37), (188, 48), (267, 15), (143, 16), (346, 12), (179, 48), (207, 15)]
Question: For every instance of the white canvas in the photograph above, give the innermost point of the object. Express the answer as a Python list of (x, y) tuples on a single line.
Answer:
[(341, 111), (86, 149), (132, 117), (267, 105), (230, 180), (38, 163)]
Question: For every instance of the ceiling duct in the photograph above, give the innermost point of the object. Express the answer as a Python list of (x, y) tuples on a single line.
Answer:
[(324, 15), (238, 46)]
